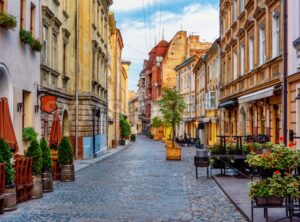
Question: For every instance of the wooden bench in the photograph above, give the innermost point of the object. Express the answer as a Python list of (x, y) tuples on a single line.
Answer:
[(19, 177), (2, 186)]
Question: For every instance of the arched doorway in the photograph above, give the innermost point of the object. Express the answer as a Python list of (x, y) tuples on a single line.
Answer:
[(65, 124), (242, 124), (6, 87)]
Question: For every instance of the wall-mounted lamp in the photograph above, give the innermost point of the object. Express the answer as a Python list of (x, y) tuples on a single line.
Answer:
[(19, 107)]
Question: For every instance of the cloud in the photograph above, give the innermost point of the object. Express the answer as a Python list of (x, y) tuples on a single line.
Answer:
[(127, 5), (196, 18)]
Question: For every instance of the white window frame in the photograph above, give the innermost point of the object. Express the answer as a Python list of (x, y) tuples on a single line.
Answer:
[(262, 45), (242, 5), (251, 53), (242, 57), (234, 10), (235, 65), (275, 34), (45, 45)]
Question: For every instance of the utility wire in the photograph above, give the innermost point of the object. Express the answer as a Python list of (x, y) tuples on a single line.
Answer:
[(155, 20), (150, 24), (160, 19)]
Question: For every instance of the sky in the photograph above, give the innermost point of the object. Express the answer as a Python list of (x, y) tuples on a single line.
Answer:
[(144, 22)]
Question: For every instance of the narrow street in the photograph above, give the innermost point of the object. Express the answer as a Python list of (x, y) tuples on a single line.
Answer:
[(136, 184)]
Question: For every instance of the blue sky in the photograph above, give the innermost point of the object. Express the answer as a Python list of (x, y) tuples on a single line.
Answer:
[(140, 25)]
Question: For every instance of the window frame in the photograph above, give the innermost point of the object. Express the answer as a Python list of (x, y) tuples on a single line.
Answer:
[(262, 44), (235, 65), (22, 14), (275, 33)]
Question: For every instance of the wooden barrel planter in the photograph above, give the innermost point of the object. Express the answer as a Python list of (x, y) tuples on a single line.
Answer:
[(47, 182), (37, 188), (173, 153), (10, 199), (55, 165), (67, 173)]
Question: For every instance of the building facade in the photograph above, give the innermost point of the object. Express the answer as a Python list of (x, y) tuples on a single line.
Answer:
[(142, 97), (74, 68), (250, 91), (124, 88), (114, 83), (293, 78), (20, 67), (134, 114)]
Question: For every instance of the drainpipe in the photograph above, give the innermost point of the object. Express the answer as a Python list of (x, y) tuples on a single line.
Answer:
[(115, 86), (285, 70), (76, 80)]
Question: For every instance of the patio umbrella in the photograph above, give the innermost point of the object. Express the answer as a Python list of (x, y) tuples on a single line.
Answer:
[(7, 131), (55, 135)]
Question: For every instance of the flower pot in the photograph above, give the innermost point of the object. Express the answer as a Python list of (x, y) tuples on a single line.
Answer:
[(67, 173), (122, 142), (173, 153), (10, 199), (269, 201), (47, 182), (37, 188)]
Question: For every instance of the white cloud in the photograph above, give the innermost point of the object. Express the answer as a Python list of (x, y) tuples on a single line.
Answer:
[(127, 5), (195, 18)]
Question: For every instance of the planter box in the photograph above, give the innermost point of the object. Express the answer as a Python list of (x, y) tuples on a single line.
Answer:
[(122, 142), (269, 201), (173, 153)]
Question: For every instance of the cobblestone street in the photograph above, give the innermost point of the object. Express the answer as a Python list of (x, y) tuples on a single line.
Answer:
[(136, 184)]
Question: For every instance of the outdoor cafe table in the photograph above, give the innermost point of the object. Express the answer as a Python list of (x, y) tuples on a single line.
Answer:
[(238, 141), (225, 159)]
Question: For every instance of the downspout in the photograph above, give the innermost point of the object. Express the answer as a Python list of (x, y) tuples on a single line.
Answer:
[(285, 70), (115, 86), (76, 80)]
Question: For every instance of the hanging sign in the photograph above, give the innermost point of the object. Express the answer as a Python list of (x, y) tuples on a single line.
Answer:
[(48, 104)]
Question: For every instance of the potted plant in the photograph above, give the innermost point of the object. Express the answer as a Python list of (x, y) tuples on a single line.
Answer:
[(133, 138), (10, 200), (7, 21), (27, 38), (171, 106), (125, 130), (156, 124), (65, 159), (46, 166), (28, 134), (34, 151)]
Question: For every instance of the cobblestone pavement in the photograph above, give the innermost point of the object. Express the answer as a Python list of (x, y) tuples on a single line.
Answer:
[(136, 184)]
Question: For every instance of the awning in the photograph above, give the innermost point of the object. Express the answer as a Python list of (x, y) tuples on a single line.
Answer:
[(205, 120), (55, 134), (264, 93), (227, 103), (187, 119), (7, 131)]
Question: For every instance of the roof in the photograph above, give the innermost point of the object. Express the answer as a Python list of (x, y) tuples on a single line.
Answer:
[(186, 62)]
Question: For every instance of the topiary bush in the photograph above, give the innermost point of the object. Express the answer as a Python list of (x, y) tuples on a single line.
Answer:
[(125, 127), (7, 21), (46, 156), (34, 151), (29, 134), (6, 155), (65, 152)]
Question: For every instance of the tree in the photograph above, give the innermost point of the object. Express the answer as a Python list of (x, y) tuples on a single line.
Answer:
[(5, 156), (156, 122), (34, 151), (125, 127), (171, 106), (65, 152), (46, 156)]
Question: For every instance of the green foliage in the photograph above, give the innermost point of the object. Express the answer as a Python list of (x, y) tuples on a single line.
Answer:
[(29, 134), (278, 157), (157, 122), (215, 149), (125, 127), (7, 21), (277, 185), (65, 152), (27, 38), (5, 156), (171, 106), (34, 151), (46, 156), (132, 137)]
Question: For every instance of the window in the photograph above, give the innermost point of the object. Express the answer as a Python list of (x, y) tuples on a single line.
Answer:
[(251, 53), (234, 10), (45, 45), (242, 5), (32, 19), (65, 5), (2, 5), (235, 65), (65, 59), (262, 45), (210, 100), (275, 42), (242, 60), (54, 52), (22, 13), (27, 109)]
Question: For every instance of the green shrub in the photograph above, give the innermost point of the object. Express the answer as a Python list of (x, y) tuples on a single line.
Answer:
[(7, 21), (27, 38), (6, 155), (29, 134), (157, 122), (125, 127), (34, 151), (133, 137), (65, 152), (46, 156)]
